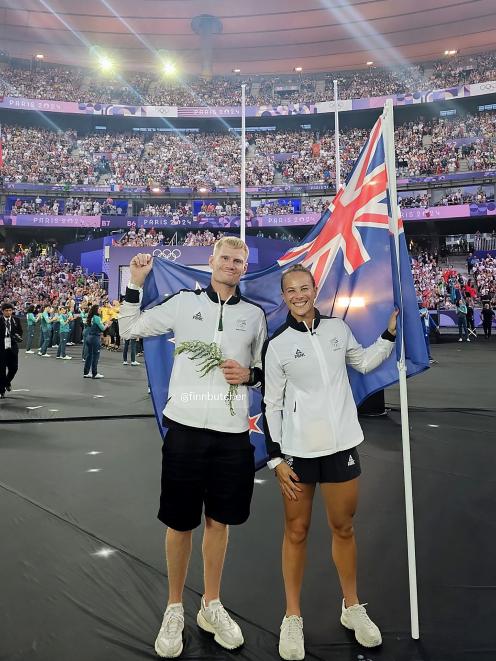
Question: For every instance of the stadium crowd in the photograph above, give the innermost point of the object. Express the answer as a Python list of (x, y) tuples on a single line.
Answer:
[(438, 286), (71, 84), (213, 159)]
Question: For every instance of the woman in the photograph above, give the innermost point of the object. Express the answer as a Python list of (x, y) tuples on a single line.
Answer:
[(95, 328), (64, 319), (311, 420), (31, 319)]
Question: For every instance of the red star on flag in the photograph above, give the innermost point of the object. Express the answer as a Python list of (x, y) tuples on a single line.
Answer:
[(253, 424)]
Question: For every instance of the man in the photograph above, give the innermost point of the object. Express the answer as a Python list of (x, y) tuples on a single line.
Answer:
[(10, 336), (426, 327), (46, 330), (207, 456), (461, 311)]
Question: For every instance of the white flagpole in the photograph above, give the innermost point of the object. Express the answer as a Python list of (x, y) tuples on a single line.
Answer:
[(336, 137), (242, 222), (388, 133)]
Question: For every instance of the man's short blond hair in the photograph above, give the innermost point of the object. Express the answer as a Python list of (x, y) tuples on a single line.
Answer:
[(231, 242)]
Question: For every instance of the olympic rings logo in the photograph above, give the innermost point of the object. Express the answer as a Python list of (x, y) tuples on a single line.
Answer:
[(171, 255), (487, 86)]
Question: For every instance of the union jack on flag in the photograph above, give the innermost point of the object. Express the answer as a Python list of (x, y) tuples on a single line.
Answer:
[(352, 256), (363, 202)]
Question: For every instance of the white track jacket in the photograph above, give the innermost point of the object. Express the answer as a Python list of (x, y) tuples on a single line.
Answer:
[(308, 403), (238, 326)]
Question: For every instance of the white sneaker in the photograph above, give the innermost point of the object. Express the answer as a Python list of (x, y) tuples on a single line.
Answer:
[(66, 357), (46, 355), (30, 351), (97, 376), (291, 640), (215, 619), (468, 339), (135, 362), (70, 344), (124, 362), (356, 619), (58, 357), (460, 339), (86, 376), (169, 643)]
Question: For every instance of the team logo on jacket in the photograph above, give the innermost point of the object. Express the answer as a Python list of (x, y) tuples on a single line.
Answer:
[(299, 354), (198, 316)]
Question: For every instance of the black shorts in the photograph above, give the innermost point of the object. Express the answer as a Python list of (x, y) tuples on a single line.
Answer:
[(339, 467), (205, 468)]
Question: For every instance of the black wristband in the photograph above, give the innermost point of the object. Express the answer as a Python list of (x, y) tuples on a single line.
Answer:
[(132, 295), (388, 336)]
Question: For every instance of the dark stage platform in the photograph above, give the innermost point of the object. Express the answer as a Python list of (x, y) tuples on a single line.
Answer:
[(82, 567)]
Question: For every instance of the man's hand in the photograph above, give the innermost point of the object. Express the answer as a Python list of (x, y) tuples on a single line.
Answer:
[(392, 322), (234, 373), (140, 266), (287, 480)]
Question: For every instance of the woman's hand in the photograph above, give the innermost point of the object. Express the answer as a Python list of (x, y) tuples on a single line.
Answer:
[(392, 322), (287, 480)]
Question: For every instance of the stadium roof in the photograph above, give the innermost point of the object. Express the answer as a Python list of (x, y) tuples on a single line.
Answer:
[(257, 36)]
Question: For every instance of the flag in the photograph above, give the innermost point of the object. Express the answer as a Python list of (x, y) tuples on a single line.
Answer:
[(359, 259)]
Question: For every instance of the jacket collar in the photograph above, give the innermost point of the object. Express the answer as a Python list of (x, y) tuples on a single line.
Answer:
[(299, 325), (213, 296)]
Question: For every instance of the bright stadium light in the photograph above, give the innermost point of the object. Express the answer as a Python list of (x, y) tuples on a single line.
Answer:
[(105, 63), (236, 70), (450, 52), (351, 302), (298, 69), (39, 56), (168, 68), (369, 63)]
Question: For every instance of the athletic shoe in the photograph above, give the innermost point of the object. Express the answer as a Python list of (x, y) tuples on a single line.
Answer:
[(86, 376), (54, 346), (356, 618), (215, 619), (291, 640), (124, 362), (8, 387), (468, 339), (97, 376), (66, 357), (2, 395), (135, 362), (169, 643), (30, 351), (46, 355), (460, 339), (70, 344)]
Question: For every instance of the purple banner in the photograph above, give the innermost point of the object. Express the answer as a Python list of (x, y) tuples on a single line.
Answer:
[(271, 110), (52, 221), (73, 188), (449, 212)]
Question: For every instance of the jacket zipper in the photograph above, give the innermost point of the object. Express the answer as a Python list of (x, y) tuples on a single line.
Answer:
[(218, 328), (325, 376)]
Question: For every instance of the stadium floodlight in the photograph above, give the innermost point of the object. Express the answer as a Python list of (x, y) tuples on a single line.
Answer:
[(105, 63), (351, 302), (451, 52), (39, 56), (369, 63), (236, 70), (169, 68), (298, 69)]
